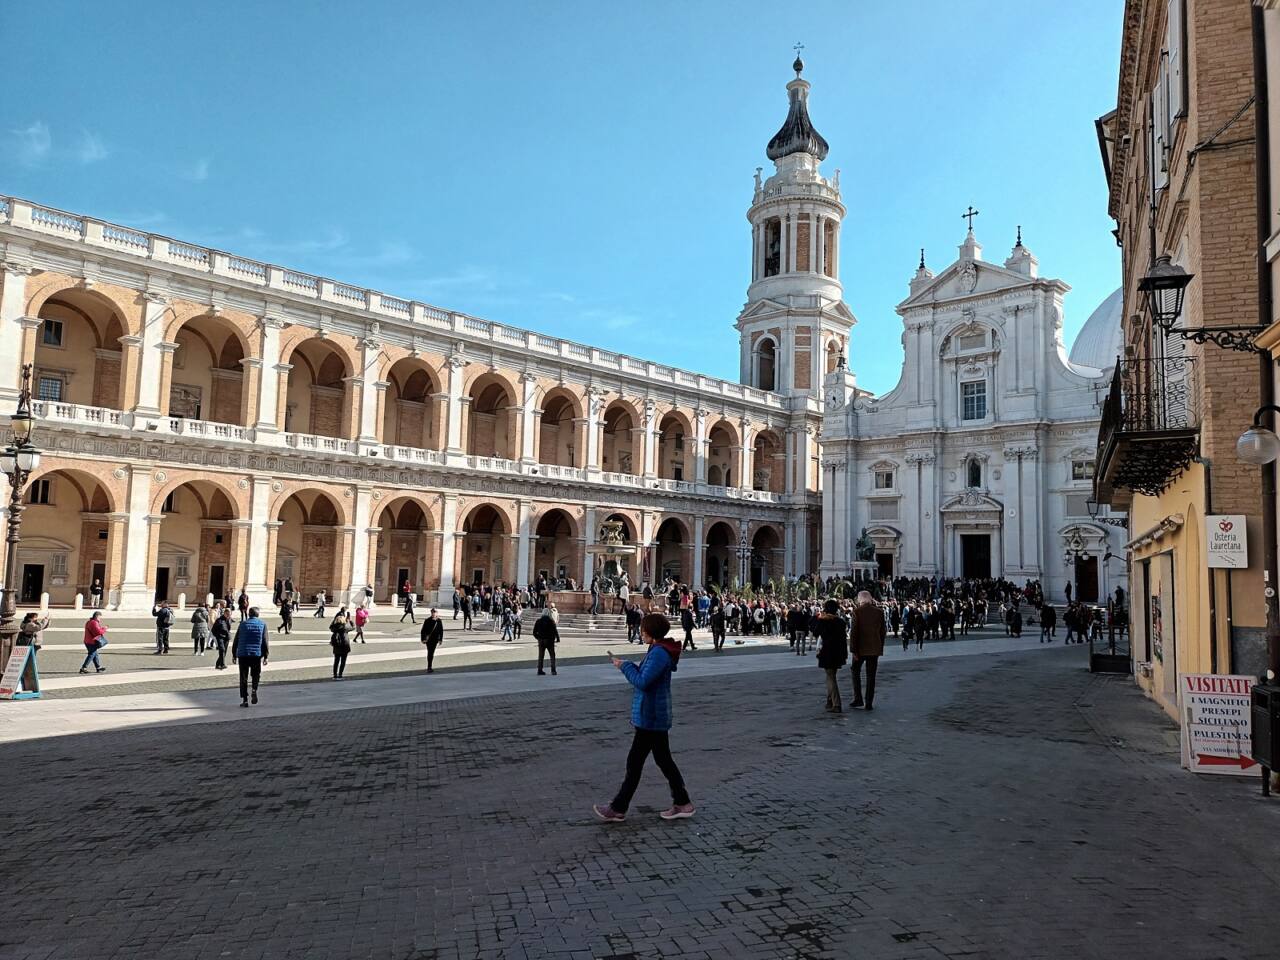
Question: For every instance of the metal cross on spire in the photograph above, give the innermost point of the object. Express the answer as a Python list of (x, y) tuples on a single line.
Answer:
[(969, 215), (799, 64)]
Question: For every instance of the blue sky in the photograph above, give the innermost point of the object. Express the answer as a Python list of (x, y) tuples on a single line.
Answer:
[(582, 169)]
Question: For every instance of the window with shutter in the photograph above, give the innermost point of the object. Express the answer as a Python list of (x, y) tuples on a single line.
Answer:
[(1174, 35), (1160, 127)]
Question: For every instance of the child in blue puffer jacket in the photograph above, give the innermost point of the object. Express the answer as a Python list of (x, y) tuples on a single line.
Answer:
[(651, 717)]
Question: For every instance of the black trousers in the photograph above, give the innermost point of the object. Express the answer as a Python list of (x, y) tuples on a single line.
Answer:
[(408, 612), (545, 647), (431, 652), (644, 743), (873, 664), (688, 644), (339, 664), (249, 666)]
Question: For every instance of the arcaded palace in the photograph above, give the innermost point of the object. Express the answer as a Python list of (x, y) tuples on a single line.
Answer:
[(209, 422)]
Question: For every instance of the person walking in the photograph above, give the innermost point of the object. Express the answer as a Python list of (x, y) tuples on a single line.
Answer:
[(251, 652), (466, 612), (410, 598), (361, 618), (95, 638), (432, 636), (338, 639), (833, 650), (200, 632), (595, 595), (651, 718), (686, 624), (866, 645), (242, 602), (95, 593), (547, 633), (286, 616), (718, 626), (1048, 623), (321, 600), (221, 630), (164, 620)]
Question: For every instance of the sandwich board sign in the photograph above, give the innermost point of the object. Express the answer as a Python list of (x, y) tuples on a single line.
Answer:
[(1216, 733), (1227, 541), (21, 680)]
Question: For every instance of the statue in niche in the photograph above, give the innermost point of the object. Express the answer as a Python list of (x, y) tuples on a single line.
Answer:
[(865, 548)]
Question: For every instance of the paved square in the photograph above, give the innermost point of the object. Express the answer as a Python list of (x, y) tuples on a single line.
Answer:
[(991, 806)]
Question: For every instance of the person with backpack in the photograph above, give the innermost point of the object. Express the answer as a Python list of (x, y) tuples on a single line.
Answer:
[(547, 633), (164, 620), (410, 598), (651, 718), (338, 639)]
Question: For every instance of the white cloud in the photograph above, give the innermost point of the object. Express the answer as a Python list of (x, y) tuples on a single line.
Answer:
[(30, 145), (90, 149)]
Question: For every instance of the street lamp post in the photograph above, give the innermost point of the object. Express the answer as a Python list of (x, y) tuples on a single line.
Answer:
[(744, 557), (1260, 446), (19, 460)]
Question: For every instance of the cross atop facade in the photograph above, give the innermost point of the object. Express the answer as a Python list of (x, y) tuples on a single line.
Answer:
[(969, 215), (797, 48)]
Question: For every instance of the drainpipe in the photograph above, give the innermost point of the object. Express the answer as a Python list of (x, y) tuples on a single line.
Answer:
[(1266, 381), (1213, 575)]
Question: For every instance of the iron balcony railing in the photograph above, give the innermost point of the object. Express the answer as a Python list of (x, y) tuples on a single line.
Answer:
[(1150, 425)]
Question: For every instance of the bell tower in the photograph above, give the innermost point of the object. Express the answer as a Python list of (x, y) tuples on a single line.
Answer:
[(794, 328)]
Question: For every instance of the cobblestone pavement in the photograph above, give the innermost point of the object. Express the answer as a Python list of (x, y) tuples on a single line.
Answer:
[(1009, 806)]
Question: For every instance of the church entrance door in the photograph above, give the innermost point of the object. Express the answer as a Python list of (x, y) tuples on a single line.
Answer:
[(1087, 579), (975, 556)]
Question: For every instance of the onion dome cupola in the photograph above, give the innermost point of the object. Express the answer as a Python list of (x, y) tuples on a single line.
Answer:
[(797, 134)]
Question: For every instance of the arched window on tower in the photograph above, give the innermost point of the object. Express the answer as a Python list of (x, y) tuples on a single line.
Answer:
[(772, 247), (833, 355), (766, 365)]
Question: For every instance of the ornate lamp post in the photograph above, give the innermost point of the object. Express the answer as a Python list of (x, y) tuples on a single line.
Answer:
[(19, 460), (744, 557)]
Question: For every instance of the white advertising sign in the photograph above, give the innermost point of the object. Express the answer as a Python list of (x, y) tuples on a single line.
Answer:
[(1227, 541), (1216, 733)]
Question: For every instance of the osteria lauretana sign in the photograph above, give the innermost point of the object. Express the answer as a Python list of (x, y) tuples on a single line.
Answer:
[(1227, 541)]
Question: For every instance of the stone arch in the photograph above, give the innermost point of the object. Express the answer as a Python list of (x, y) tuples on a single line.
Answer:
[(768, 462), (676, 446), (766, 554), (198, 547), (556, 545), (622, 443), (491, 420), (72, 535), (414, 405), (311, 541), (318, 397), (560, 435), (76, 350), (486, 548), (723, 444), (237, 498), (124, 303), (833, 355), (404, 545), (673, 550), (203, 378), (764, 363), (720, 541)]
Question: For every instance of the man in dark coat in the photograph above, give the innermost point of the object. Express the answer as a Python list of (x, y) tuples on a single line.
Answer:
[(432, 636), (866, 644), (547, 634), (833, 649)]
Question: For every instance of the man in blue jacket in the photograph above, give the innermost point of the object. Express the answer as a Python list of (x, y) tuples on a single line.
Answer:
[(251, 652), (651, 717)]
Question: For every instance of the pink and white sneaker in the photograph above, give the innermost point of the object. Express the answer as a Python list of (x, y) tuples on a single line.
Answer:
[(681, 811), (606, 813)]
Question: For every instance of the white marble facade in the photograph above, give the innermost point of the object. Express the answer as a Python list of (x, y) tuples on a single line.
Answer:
[(979, 462)]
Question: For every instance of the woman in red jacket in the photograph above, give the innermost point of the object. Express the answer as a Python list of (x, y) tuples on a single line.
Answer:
[(95, 638)]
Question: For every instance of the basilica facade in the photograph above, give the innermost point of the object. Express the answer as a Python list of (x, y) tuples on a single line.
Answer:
[(980, 462)]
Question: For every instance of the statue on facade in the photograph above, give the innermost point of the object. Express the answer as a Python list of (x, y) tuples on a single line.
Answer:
[(865, 548)]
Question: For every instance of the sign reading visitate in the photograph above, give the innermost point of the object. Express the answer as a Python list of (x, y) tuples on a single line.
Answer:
[(1216, 731), (1227, 541), (21, 680)]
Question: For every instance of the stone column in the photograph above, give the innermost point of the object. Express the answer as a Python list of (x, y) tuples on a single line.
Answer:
[(594, 407), (150, 355), (650, 440), (699, 552), (819, 260), (700, 442), (457, 366), (361, 520), (238, 567), (13, 296), (135, 594), (588, 538), (524, 511), (117, 537), (366, 380), (789, 548), (529, 419), (270, 384), (746, 455), (436, 431), (258, 572), (448, 548)]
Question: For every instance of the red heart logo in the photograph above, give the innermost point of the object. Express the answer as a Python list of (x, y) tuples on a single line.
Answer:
[(1225, 526)]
